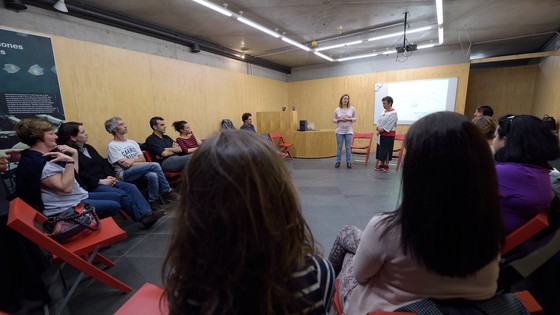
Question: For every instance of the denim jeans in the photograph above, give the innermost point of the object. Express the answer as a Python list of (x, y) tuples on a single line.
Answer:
[(175, 163), (347, 138), (151, 172), (106, 203), (131, 198)]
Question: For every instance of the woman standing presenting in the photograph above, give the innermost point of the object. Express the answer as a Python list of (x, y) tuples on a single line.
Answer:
[(386, 131), (343, 117)]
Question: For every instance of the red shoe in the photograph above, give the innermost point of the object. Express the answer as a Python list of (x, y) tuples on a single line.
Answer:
[(379, 168), (386, 169)]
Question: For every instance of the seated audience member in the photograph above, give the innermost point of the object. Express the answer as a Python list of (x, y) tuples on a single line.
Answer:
[(45, 176), (247, 119), (187, 140), (486, 125), (484, 110), (248, 125), (241, 244), (523, 145), (99, 177), (127, 159), (163, 149), (441, 242)]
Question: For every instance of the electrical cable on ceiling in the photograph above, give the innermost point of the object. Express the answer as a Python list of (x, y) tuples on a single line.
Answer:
[(468, 52)]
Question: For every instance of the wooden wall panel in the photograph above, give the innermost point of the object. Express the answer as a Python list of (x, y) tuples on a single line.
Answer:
[(98, 82), (316, 100), (546, 98), (508, 90)]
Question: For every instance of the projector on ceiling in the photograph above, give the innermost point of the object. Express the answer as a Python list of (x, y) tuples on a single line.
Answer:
[(407, 48)]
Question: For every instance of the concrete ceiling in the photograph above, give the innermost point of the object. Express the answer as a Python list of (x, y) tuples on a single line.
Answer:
[(484, 28)]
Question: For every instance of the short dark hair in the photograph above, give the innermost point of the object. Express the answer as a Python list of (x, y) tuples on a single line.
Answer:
[(486, 110), (154, 121), (388, 99), (179, 125), (246, 116), (66, 131), (528, 141), (452, 232)]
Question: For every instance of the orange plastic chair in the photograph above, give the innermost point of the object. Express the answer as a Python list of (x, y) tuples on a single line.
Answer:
[(398, 153), (80, 253), (525, 232), (149, 299), (172, 177), (361, 149), (277, 140)]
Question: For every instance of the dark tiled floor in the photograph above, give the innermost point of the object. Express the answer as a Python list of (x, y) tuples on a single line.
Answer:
[(331, 198)]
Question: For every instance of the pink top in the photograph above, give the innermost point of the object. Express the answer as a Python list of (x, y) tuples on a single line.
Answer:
[(345, 127), (187, 144), (389, 279)]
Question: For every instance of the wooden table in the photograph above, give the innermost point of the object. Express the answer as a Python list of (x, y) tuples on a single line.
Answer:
[(314, 144)]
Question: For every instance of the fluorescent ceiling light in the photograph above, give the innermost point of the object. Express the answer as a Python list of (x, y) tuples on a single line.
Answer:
[(425, 46), (414, 30), (214, 7), (339, 45), (357, 57), (440, 34), (323, 56), (293, 42), (439, 12), (258, 26)]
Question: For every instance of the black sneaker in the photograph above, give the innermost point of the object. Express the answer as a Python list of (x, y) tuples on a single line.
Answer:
[(170, 196), (151, 218), (156, 206)]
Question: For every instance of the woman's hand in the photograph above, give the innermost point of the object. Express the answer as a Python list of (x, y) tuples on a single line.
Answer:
[(59, 157), (66, 149), (109, 181), (3, 163)]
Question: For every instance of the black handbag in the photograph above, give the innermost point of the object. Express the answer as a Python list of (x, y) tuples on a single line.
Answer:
[(72, 224), (550, 122)]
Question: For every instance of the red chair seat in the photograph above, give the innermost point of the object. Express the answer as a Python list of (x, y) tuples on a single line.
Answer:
[(149, 299)]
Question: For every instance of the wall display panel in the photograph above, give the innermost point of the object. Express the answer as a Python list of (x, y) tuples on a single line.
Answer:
[(28, 82)]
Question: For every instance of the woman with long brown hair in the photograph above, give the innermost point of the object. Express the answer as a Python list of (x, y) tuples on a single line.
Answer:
[(240, 243)]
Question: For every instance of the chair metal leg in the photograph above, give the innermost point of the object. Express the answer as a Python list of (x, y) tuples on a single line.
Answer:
[(76, 282)]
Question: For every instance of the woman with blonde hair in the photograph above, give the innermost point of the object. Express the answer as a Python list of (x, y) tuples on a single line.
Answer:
[(240, 243)]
